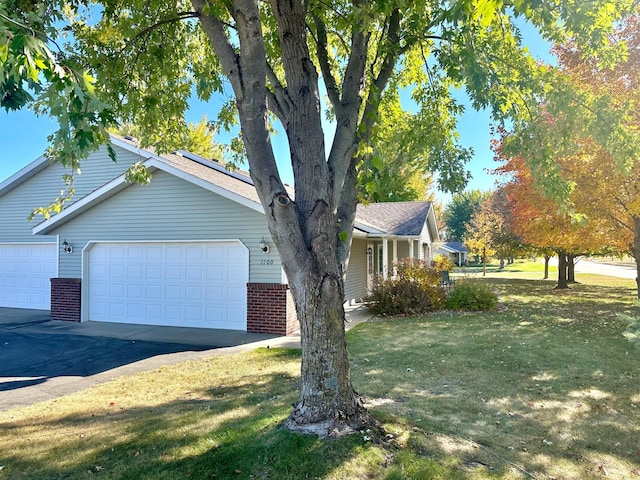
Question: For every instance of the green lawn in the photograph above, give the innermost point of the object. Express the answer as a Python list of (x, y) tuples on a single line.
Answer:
[(546, 388), (520, 267)]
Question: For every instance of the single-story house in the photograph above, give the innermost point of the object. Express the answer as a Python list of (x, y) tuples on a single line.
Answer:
[(456, 251), (189, 249)]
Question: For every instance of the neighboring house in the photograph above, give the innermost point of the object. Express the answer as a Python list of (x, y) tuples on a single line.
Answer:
[(456, 251), (185, 250)]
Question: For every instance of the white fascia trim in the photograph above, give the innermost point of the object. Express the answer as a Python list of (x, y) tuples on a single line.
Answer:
[(386, 236), (434, 222), (26, 243), (119, 183), (23, 174), (141, 152), (368, 229)]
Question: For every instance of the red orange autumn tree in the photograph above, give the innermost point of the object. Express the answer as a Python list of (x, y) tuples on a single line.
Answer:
[(575, 182), (610, 190), (542, 224)]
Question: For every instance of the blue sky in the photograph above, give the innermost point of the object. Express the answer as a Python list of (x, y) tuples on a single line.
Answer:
[(23, 136)]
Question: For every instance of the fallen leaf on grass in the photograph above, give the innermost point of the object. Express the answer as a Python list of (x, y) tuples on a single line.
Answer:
[(602, 470)]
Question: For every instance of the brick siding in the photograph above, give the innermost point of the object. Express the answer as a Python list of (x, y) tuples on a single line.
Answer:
[(270, 309), (65, 299)]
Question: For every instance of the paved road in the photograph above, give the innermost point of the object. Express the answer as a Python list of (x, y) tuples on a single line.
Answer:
[(585, 265)]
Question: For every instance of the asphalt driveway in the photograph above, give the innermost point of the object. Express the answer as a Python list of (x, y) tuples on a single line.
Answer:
[(41, 359)]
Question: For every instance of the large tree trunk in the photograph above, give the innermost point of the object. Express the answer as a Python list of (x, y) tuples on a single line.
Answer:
[(562, 271), (327, 404), (484, 262), (313, 230)]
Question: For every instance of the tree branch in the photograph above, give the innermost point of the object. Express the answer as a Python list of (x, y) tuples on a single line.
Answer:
[(225, 52), (323, 57), (148, 30), (393, 52), (278, 100)]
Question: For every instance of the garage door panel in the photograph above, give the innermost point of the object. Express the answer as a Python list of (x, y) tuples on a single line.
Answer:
[(214, 294), (194, 273), (117, 271), (199, 284), (116, 253), (25, 275), (153, 272), (135, 271), (194, 294), (174, 272), (153, 292), (173, 314)]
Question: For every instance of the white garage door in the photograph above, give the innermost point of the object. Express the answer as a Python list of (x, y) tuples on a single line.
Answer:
[(25, 273), (179, 284)]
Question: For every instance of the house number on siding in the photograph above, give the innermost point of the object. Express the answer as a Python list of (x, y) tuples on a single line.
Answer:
[(266, 262)]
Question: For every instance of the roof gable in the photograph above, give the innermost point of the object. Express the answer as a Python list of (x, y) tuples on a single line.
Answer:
[(196, 173), (23, 174), (378, 219), (454, 247), (395, 218)]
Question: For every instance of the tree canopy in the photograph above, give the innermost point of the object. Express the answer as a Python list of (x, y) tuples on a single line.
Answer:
[(140, 61), (600, 199), (458, 213)]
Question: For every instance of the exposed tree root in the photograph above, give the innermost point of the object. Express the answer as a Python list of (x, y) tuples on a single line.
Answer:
[(339, 426)]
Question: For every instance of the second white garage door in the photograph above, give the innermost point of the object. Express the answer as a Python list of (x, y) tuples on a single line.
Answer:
[(179, 284), (25, 273)]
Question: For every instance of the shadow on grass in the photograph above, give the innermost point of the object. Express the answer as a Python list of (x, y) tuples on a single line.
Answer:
[(546, 384), (225, 432), (220, 431)]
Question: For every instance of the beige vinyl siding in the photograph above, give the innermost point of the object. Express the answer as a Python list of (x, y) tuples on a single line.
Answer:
[(355, 285), (403, 248), (170, 209), (425, 238), (99, 169), (45, 186)]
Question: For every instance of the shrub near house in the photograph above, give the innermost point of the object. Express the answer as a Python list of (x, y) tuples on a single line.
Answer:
[(414, 289), (473, 296)]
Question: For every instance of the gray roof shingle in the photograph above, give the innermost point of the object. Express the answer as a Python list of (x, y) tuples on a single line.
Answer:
[(395, 218)]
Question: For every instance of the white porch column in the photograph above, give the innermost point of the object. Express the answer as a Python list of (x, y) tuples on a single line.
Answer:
[(411, 242), (395, 257), (385, 258)]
